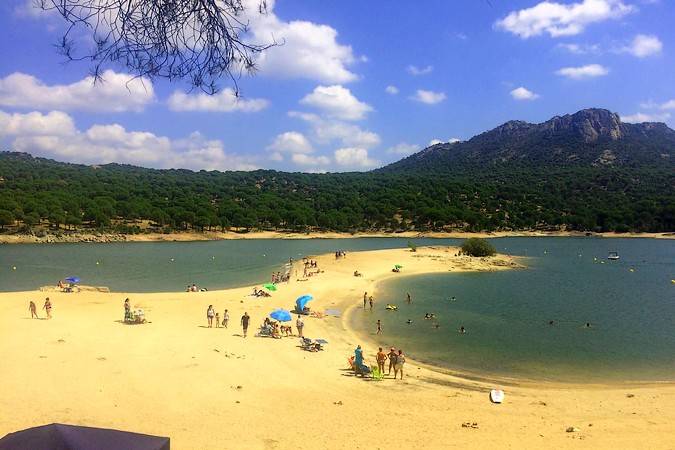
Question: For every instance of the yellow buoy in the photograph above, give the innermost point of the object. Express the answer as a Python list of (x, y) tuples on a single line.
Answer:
[(13, 267), (631, 269), (97, 263)]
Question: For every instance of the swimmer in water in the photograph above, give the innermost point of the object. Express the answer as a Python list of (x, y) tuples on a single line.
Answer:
[(462, 330), (550, 322), (588, 325), (409, 321)]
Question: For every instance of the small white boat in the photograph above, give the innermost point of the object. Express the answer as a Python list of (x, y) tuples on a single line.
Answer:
[(613, 255)]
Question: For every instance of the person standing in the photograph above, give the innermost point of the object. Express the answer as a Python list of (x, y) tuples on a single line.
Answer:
[(48, 307), (370, 300), (226, 318), (33, 310), (392, 359), (209, 315), (381, 359), (217, 320), (244, 322), (379, 327), (299, 324), (408, 298), (365, 299), (400, 361), (127, 310)]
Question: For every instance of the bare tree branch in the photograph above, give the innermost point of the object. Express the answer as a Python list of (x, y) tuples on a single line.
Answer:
[(200, 41)]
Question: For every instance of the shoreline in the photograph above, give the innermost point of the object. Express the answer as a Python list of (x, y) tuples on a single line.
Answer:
[(223, 236), (175, 377)]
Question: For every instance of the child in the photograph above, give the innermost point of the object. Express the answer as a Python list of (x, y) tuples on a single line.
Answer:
[(33, 310), (226, 318), (217, 320)]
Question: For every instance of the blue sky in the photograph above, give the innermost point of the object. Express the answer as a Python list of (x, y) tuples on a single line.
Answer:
[(357, 84)]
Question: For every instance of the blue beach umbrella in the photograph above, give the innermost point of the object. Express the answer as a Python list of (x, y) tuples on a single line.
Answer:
[(281, 315), (302, 301), (73, 279)]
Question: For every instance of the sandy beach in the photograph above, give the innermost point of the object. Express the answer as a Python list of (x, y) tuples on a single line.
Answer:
[(213, 389), (189, 236)]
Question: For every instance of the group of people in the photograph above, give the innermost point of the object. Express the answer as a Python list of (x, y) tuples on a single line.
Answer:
[(33, 309), (340, 254), (137, 316), (194, 288), (368, 300), (66, 287), (309, 265), (277, 330), (260, 293), (278, 277), (212, 315), (396, 361)]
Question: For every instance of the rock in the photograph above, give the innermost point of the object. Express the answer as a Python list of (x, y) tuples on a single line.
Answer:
[(572, 430)]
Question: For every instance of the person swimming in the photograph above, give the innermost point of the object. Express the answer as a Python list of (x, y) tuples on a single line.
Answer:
[(409, 321), (462, 330)]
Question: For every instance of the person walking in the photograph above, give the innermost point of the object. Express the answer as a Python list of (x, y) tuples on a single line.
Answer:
[(381, 359), (408, 298), (379, 327), (244, 322), (48, 307), (400, 361), (392, 359), (370, 300), (210, 312), (226, 318), (33, 310), (299, 324), (365, 299)]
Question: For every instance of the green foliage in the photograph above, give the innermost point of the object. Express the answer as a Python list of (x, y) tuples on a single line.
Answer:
[(640, 198), (412, 246), (477, 247), (6, 218)]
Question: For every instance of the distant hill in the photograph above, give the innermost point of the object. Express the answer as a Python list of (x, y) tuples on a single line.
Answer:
[(585, 171), (588, 138)]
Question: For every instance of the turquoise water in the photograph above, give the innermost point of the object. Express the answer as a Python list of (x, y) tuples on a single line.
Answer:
[(169, 266), (507, 314)]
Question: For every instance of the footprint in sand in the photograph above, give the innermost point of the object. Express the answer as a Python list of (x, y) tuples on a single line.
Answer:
[(102, 358)]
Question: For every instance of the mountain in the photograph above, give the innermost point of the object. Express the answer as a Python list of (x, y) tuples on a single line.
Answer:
[(585, 171), (590, 137)]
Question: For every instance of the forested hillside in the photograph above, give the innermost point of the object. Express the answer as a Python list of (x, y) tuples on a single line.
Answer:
[(622, 182)]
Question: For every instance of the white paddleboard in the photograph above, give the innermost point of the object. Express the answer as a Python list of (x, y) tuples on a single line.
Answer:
[(496, 396)]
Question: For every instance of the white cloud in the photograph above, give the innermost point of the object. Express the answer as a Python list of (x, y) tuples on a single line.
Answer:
[(308, 50), (337, 102), (224, 101), (588, 71), (560, 19), (428, 97), (309, 160), (291, 142), (643, 117), (354, 157), (414, 70), (644, 45), (435, 142), (391, 90), (54, 135), (670, 104), (116, 92), (454, 140), (403, 148), (522, 93), (581, 49), (326, 131)]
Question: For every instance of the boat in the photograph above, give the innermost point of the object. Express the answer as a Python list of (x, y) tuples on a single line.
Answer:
[(613, 255)]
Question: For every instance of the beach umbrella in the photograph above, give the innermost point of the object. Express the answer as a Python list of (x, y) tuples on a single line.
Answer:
[(302, 301), (69, 437), (398, 266), (73, 279), (270, 286), (281, 315)]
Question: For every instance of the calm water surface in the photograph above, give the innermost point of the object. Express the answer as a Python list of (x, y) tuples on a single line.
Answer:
[(507, 314), (169, 266)]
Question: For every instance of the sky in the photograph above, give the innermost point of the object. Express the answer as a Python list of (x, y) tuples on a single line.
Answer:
[(356, 85)]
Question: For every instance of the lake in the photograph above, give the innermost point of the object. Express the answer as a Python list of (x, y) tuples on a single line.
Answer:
[(629, 304)]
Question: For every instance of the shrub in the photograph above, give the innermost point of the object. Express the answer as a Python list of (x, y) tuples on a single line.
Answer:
[(478, 247)]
